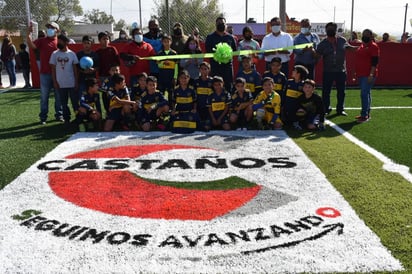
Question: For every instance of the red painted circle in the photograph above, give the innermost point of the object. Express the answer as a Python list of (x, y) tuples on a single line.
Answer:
[(121, 192), (328, 212)]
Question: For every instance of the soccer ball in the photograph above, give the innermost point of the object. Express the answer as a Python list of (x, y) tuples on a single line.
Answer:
[(86, 62)]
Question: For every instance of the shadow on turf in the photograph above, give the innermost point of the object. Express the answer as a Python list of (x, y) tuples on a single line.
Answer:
[(327, 133)]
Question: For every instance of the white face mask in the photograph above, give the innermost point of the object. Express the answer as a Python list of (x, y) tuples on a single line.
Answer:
[(304, 30), (276, 29), (138, 38)]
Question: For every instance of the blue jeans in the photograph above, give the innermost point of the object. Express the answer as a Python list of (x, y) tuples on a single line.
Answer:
[(46, 84), (366, 98), (11, 71), (340, 82)]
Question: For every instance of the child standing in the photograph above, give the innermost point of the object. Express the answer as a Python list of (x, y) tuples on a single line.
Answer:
[(311, 113), (267, 106), (252, 77), (241, 108), (90, 109), (25, 65), (154, 105), (294, 89), (120, 103), (218, 103), (203, 88), (167, 68)]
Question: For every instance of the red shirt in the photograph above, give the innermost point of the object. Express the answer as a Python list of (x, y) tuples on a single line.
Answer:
[(143, 50), (107, 58), (364, 56), (46, 46)]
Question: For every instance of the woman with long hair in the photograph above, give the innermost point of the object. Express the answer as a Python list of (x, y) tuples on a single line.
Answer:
[(192, 64), (8, 54)]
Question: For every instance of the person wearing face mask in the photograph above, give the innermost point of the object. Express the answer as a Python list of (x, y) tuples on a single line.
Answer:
[(123, 38), (154, 37), (248, 43), (135, 50), (192, 64), (63, 63), (221, 36), (332, 50), (275, 40), (307, 55), (178, 38), (45, 46), (367, 59)]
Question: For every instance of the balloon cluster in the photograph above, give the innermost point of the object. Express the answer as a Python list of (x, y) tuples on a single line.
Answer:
[(223, 53)]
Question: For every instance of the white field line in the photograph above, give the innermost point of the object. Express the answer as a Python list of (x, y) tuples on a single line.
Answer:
[(388, 164), (388, 107)]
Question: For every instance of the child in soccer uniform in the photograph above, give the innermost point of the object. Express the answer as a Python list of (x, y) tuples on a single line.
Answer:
[(279, 78), (252, 77), (241, 112), (267, 106), (311, 113), (90, 109), (184, 114), (120, 104), (154, 106), (203, 88), (218, 103), (167, 68), (106, 85), (294, 89)]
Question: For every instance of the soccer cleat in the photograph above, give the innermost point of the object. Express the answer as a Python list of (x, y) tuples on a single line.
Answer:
[(360, 116), (363, 119), (342, 113)]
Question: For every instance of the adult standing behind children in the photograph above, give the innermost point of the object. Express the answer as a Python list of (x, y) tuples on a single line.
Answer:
[(333, 51), (307, 55), (154, 37), (8, 56), (46, 46), (275, 40), (221, 36), (132, 54), (367, 58), (178, 38), (63, 63), (25, 65)]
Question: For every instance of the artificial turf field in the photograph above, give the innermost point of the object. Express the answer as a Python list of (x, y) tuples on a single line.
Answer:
[(382, 199)]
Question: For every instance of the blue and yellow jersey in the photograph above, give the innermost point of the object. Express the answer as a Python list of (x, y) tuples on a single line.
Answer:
[(152, 101), (122, 94), (167, 64), (271, 102), (184, 99), (237, 100), (279, 80), (253, 80), (136, 93), (291, 94), (203, 89), (90, 101), (218, 102)]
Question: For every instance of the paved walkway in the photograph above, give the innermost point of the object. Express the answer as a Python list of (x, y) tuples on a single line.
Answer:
[(5, 80)]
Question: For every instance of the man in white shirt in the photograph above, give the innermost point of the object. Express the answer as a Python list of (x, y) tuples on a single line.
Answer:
[(277, 39)]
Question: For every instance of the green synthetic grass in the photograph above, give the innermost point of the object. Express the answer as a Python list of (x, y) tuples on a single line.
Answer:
[(382, 199)]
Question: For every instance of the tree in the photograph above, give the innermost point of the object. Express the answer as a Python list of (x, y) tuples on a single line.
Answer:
[(98, 17), (191, 13), (42, 12), (121, 24)]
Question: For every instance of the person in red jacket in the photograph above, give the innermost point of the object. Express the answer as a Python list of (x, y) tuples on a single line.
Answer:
[(108, 57), (367, 58), (134, 51)]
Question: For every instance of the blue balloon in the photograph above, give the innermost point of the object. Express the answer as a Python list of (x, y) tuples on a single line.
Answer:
[(86, 62)]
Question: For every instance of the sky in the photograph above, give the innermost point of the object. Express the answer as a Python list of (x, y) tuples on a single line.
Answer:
[(378, 15)]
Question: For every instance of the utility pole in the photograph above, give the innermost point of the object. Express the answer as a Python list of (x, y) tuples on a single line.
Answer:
[(140, 13), (404, 21), (282, 13), (351, 18), (246, 8)]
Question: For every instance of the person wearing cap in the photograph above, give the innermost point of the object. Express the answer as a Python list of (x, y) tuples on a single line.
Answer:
[(87, 42), (218, 103), (108, 57), (46, 46), (221, 36), (133, 53), (178, 38), (63, 63)]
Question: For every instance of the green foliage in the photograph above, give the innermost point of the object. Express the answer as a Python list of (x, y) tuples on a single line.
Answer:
[(97, 16), (121, 24), (196, 13)]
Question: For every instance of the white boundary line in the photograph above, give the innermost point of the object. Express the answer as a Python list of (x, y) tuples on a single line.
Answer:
[(388, 164), (384, 107)]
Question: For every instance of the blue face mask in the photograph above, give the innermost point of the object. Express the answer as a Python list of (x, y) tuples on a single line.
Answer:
[(51, 32), (138, 38)]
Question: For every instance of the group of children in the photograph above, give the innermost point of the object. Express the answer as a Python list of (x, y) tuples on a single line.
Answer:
[(203, 103)]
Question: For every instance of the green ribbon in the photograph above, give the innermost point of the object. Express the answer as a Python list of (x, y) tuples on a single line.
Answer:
[(234, 53)]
